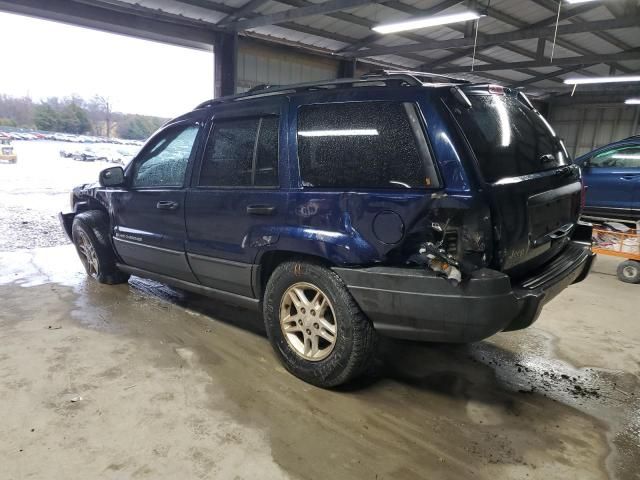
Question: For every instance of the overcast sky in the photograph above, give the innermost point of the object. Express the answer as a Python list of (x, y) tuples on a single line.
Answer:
[(41, 58)]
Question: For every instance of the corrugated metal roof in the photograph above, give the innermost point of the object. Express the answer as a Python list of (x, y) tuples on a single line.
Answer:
[(333, 31)]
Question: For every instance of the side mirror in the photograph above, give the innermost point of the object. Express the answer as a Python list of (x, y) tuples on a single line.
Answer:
[(111, 177)]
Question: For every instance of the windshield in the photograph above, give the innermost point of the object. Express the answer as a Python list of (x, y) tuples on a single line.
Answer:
[(508, 138)]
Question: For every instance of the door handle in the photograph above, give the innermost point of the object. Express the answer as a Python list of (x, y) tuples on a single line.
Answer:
[(629, 176), (166, 205), (261, 209)]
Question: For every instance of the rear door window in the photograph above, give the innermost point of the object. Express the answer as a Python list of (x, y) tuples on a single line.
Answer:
[(363, 145), (241, 153), (508, 138)]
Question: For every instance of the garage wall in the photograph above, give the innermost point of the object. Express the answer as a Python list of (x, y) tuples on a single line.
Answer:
[(260, 64), (585, 127)]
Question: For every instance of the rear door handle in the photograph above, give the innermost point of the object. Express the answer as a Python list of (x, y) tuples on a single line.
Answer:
[(630, 176), (166, 205), (261, 209)]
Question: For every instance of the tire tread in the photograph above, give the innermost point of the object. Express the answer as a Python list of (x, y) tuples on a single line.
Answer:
[(364, 337), (95, 223)]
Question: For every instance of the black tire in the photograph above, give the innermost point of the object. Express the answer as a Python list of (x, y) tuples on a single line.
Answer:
[(629, 271), (355, 340), (93, 226)]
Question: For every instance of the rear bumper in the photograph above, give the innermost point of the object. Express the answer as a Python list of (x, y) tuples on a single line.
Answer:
[(416, 304)]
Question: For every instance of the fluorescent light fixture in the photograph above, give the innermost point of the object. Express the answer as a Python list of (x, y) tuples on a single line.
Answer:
[(626, 156), (573, 2), (632, 101), (427, 22), (339, 133), (613, 79)]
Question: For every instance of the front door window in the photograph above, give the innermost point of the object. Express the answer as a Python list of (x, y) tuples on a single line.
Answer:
[(164, 162)]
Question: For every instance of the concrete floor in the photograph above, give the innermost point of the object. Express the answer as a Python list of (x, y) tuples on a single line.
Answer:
[(142, 381)]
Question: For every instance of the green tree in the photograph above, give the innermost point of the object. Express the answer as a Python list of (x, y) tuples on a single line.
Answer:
[(73, 119), (7, 122), (138, 127), (45, 117)]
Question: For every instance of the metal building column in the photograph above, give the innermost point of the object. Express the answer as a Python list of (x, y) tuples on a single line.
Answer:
[(347, 68), (225, 63)]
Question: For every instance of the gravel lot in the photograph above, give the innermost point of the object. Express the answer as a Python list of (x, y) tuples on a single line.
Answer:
[(34, 190)]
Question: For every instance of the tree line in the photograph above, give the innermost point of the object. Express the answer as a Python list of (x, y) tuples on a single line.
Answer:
[(75, 115)]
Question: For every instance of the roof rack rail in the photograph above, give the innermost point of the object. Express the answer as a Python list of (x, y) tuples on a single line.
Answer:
[(388, 77), (262, 86), (418, 76)]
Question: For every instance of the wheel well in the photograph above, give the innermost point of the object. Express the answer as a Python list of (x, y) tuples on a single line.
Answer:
[(89, 204), (270, 260)]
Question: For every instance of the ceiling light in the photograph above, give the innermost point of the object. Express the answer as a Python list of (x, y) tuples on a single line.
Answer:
[(614, 79), (573, 2), (427, 22), (632, 101)]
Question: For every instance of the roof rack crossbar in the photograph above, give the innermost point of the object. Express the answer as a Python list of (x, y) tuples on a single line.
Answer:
[(388, 77)]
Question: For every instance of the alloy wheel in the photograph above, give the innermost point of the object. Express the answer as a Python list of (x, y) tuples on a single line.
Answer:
[(88, 254), (308, 321)]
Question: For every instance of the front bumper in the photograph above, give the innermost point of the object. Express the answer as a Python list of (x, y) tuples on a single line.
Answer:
[(416, 304), (66, 220)]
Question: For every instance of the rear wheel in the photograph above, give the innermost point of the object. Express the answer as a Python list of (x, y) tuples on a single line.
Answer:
[(90, 232), (315, 326), (629, 271)]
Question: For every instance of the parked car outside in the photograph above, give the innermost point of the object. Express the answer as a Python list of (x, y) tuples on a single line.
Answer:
[(396, 204), (612, 179), (6, 150)]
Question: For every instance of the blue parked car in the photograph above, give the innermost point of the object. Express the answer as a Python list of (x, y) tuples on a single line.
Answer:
[(399, 204), (612, 179)]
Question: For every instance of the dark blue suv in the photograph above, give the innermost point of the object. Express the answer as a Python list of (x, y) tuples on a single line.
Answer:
[(399, 204), (612, 179)]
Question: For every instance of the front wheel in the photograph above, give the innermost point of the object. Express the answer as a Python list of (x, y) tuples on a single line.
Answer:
[(315, 325), (629, 271), (90, 232)]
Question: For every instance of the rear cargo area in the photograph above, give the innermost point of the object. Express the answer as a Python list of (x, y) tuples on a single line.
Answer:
[(533, 188)]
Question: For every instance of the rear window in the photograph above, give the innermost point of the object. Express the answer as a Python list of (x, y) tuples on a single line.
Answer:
[(363, 145), (508, 138)]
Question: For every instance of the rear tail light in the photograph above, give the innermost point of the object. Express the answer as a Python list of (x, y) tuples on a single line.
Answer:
[(496, 89)]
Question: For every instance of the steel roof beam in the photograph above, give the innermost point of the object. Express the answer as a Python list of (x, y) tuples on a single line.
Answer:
[(581, 60), (208, 5), (516, 23), (145, 23), (243, 11), (551, 5), (345, 17), (498, 38), (550, 76), (329, 6), (402, 7)]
